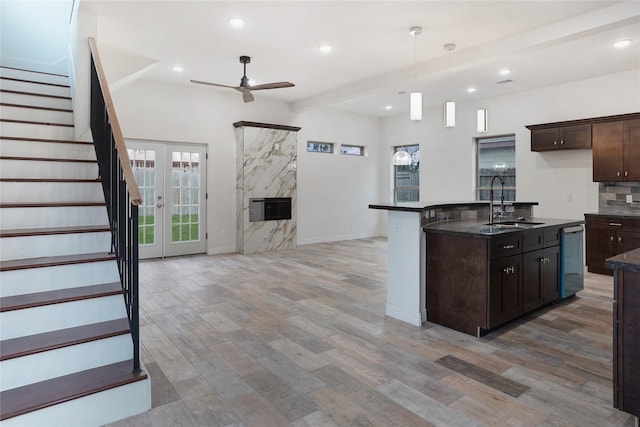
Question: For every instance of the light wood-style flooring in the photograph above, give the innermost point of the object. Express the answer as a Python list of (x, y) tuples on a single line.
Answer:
[(299, 338)]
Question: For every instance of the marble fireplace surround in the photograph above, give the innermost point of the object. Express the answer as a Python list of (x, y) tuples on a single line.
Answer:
[(266, 156)]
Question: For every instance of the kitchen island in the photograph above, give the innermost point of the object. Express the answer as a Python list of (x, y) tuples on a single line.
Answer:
[(406, 290)]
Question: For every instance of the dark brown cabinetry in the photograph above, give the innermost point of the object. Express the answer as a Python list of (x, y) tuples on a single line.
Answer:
[(616, 151), (626, 341), (476, 284), (607, 236), (561, 138)]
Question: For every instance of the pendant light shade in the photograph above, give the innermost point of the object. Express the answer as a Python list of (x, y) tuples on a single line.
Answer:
[(449, 114), (449, 106), (415, 106), (415, 100), (481, 119), (401, 158)]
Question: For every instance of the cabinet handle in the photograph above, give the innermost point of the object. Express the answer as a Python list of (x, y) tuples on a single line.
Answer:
[(508, 246), (611, 237), (509, 270), (555, 142), (619, 239), (626, 173), (618, 173), (561, 142), (616, 224)]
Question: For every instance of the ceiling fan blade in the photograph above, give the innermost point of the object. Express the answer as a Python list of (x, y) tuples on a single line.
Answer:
[(212, 84), (276, 85)]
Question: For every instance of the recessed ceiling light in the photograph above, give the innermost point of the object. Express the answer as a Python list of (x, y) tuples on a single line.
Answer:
[(388, 107), (178, 68), (236, 22), (325, 48), (471, 89), (622, 43), (504, 72)]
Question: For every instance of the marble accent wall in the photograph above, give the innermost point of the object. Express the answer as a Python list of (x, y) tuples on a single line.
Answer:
[(613, 198), (265, 167)]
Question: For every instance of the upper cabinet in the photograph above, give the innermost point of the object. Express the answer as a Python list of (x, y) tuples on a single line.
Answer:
[(616, 151), (560, 138)]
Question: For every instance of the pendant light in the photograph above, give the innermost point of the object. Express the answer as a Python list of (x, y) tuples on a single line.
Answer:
[(481, 120), (449, 106), (415, 100), (402, 158)]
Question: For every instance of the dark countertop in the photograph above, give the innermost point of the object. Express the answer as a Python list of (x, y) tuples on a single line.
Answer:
[(421, 206), (613, 215), (628, 261), (480, 229)]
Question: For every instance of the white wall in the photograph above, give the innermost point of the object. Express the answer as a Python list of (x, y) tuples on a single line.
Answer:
[(335, 190), (35, 35), (560, 181)]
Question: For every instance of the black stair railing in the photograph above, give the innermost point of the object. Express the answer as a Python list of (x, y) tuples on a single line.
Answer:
[(120, 190)]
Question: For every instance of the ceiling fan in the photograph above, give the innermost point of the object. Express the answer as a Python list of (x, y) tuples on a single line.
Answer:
[(244, 87)]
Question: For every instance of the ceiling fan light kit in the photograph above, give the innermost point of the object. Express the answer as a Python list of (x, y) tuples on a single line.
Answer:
[(245, 88)]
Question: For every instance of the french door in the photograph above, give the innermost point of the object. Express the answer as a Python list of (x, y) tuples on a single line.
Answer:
[(172, 180)]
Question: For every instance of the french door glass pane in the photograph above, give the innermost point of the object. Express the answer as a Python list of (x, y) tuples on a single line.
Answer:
[(143, 163), (185, 196)]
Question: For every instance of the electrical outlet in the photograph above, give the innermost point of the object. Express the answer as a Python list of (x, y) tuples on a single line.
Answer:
[(569, 197), (629, 198)]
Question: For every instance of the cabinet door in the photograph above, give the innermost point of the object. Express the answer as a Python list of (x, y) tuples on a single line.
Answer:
[(505, 298), (532, 280), (608, 152), (545, 139), (578, 136), (632, 150), (550, 277), (628, 240), (601, 244)]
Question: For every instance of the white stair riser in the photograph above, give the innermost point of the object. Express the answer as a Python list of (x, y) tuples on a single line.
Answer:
[(51, 192), (64, 216), (33, 76), (36, 101), (37, 115), (30, 321), (31, 280), (93, 410), (29, 87), (45, 169), (54, 245), (28, 130), (13, 147), (63, 361)]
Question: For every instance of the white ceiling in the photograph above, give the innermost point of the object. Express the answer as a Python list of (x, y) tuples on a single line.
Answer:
[(372, 62)]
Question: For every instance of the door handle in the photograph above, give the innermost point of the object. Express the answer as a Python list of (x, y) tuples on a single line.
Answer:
[(159, 205)]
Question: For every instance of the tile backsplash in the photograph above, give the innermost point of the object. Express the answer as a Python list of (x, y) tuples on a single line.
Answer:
[(613, 198)]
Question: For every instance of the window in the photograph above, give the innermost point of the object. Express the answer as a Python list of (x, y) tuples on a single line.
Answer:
[(496, 156), (319, 147), (407, 178), (352, 150)]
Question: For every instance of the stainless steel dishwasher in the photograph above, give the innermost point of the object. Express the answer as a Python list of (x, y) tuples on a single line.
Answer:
[(571, 261)]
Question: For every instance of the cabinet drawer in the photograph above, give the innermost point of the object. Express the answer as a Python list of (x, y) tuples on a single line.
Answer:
[(613, 222), (532, 240), (551, 237), (506, 246)]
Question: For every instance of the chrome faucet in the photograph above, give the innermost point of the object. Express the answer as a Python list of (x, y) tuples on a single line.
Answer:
[(491, 214)]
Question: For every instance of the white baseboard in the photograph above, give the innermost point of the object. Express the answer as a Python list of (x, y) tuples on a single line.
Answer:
[(411, 317), (222, 250), (338, 238)]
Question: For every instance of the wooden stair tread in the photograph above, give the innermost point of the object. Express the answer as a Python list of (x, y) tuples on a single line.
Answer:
[(38, 343), (15, 79), (20, 92), (20, 264), (46, 231), (59, 141), (47, 159), (36, 107), (32, 397), (35, 122), (49, 204), (39, 299)]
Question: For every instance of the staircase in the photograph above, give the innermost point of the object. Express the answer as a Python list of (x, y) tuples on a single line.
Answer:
[(66, 346)]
